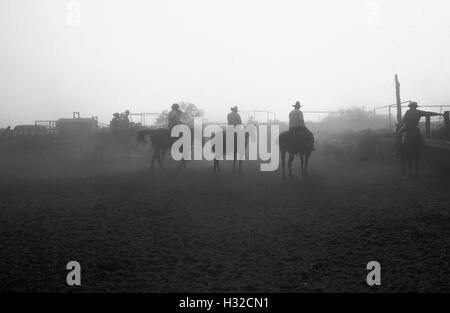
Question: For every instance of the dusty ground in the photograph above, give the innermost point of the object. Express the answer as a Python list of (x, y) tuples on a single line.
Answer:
[(194, 231)]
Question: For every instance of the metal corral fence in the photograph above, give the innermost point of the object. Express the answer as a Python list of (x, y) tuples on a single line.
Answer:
[(434, 121), (64, 133), (436, 128), (149, 119)]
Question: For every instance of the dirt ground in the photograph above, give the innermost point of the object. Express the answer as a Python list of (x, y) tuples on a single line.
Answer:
[(195, 231)]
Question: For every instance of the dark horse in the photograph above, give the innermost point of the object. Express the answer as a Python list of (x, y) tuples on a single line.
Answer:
[(120, 141), (412, 148), (216, 167), (296, 142), (161, 142)]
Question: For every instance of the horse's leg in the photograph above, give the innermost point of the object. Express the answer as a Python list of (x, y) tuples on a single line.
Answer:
[(416, 172), (128, 151), (218, 166), (409, 167), (403, 164), (160, 163), (240, 166), (302, 163), (153, 160), (182, 161), (283, 159), (234, 165), (306, 164), (214, 165), (291, 158)]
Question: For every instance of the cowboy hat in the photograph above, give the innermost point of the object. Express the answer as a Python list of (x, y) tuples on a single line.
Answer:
[(116, 114), (413, 104), (175, 105), (235, 108), (297, 105)]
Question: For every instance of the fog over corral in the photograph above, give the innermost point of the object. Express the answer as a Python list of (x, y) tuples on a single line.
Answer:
[(145, 55)]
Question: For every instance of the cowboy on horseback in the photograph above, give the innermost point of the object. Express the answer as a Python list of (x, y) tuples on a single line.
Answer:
[(410, 122), (298, 140), (174, 117), (115, 123), (233, 117), (125, 119), (296, 121)]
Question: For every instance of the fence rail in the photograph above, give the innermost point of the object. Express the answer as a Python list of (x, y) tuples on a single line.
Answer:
[(394, 106)]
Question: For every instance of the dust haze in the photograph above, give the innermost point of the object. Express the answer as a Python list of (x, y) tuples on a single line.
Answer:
[(99, 57), (77, 184)]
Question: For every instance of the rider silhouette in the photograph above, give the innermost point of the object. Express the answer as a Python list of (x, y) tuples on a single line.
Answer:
[(233, 117), (125, 119), (115, 123), (296, 121), (410, 122), (174, 117)]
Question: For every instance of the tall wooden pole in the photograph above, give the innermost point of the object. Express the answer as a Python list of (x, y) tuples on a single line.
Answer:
[(390, 119), (399, 102), (428, 126)]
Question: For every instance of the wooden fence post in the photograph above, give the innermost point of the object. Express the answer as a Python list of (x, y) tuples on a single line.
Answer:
[(399, 102), (427, 126), (447, 124)]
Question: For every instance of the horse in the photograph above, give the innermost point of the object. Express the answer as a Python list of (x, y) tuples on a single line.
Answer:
[(411, 149), (296, 142), (216, 167), (120, 140), (161, 141)]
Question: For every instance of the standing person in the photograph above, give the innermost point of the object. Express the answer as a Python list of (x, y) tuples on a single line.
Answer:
[(296, 121), (233, 117), (174, 117), (410, 122)]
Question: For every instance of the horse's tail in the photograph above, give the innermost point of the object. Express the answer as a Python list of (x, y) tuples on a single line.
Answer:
[(281, 141), (142, 135)]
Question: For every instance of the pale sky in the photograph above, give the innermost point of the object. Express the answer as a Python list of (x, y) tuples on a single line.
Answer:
[(256, 54)]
